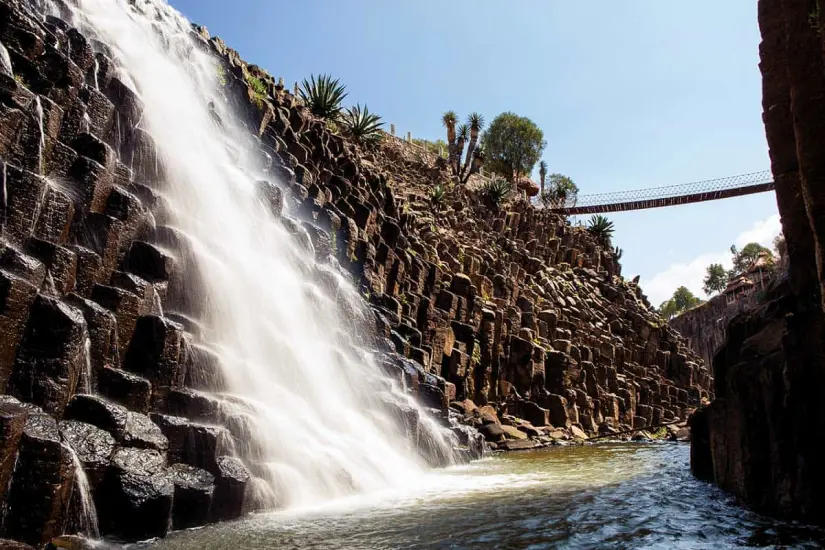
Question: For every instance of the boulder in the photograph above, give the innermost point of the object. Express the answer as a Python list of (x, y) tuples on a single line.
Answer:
[(51, 356), (194, 490), (134, 502), (194, 444), (13, 418), (129, 428), (125, 388), (231, 479), (93, 447), (39, 495)]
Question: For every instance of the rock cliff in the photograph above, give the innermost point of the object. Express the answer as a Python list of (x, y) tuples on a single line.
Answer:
[(705, 325), (759, 438), (512, 310)]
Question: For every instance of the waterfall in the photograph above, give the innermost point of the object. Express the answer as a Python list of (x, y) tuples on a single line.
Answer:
[(87, 366), (88, 513), (41, 146), (288, 331)]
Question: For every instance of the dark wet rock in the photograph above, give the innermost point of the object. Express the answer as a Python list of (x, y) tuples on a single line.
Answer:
[(155, 353), (99, 412), (22, 265), (129, 428), (148, 262), (102, 328), (13, 418), (50, 357), (60, 262), (194, 405), (124, 305), (41, 487), (134, 501), (16, 297), (194, 490), (125, 388), (74, 542), (194, 444), (231, 479), (141, 432), (6, 544), (93, 446)]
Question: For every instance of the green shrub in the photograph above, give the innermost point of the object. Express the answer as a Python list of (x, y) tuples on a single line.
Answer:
[(438, 193)]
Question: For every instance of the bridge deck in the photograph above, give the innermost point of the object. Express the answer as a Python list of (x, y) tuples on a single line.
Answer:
[(658, 197)]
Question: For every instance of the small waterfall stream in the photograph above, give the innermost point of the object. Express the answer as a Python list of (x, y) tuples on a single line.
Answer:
[(88, 513), (290, 333)]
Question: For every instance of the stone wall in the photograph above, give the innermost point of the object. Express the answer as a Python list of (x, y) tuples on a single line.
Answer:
[(509, 308), (760, 438)]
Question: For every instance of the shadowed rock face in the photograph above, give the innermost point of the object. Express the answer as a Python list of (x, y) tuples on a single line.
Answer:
[(757, 439), (101, 344)]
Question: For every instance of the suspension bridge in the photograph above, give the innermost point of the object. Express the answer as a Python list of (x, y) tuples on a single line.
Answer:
[(658, 197)]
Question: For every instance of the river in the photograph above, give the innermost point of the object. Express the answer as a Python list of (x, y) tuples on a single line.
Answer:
[(599, 496)]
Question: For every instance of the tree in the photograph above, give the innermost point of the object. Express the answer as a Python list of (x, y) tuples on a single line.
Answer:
[(449, 119), (513, 145), (682, 300), (750, 253), (716, 279), (457, 138), (476, 123), (561, 190)]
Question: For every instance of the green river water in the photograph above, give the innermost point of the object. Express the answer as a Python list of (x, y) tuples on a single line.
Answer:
[(600, 496)]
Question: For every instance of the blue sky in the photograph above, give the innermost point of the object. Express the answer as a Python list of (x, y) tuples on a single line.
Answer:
[(634, 94)]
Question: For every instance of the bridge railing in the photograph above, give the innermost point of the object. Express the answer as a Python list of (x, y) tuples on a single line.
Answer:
[(671, 195)]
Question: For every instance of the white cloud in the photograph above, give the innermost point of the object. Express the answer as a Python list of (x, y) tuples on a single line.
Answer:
[(690, 274), (762, 232)]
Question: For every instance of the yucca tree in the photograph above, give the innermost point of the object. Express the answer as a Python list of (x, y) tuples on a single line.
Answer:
[(462, 135), (542, 175), (601, 228), (476, 163), (362, 124), (323, 95), (450, 119), (476, 123)]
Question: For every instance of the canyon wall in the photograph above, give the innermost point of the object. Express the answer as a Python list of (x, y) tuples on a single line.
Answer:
[(705, 325), (101, 350), (759, 438)]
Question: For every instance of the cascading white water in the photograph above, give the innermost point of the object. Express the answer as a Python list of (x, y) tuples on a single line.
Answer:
[(88, 512), (292, 357), (41, 144)]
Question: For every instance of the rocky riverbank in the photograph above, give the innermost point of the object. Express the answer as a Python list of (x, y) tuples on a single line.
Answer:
[(760, 438), (509, 320)]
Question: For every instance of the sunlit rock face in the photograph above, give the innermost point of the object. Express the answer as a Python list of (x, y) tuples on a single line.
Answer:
[(757, 439)]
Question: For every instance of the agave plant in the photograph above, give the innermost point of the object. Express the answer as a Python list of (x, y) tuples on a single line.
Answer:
[(601, 228), (438, 193), (323, 95), (618, 252), (495, 192), (362, 124)]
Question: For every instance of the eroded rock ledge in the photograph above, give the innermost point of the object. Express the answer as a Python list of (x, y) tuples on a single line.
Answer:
[(512, 319)]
